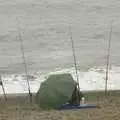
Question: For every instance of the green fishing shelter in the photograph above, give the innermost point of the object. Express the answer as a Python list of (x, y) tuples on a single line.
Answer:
[(56, 90)]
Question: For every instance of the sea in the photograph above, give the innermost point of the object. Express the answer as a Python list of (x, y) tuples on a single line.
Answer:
[(44, 27)]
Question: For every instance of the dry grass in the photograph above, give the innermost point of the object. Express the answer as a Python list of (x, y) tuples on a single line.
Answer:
[(110, 110)]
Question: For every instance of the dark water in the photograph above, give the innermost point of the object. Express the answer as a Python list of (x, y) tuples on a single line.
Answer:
[(44, 27)]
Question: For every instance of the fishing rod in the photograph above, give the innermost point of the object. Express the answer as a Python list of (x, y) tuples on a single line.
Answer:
[(74, 57), (108, 61), (1, 83), (25, 64)]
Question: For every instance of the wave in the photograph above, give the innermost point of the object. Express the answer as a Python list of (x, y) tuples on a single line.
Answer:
[(90, 80)]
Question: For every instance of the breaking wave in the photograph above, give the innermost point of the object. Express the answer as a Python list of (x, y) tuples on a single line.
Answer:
[(92, 79)]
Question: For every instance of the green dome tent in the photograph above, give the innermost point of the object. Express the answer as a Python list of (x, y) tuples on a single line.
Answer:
[(55, 91)]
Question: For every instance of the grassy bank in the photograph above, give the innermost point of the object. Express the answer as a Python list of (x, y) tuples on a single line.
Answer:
[(110, 109), (95, 95)]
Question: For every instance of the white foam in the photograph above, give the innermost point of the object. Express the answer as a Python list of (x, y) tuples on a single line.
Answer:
[(93, 79)]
